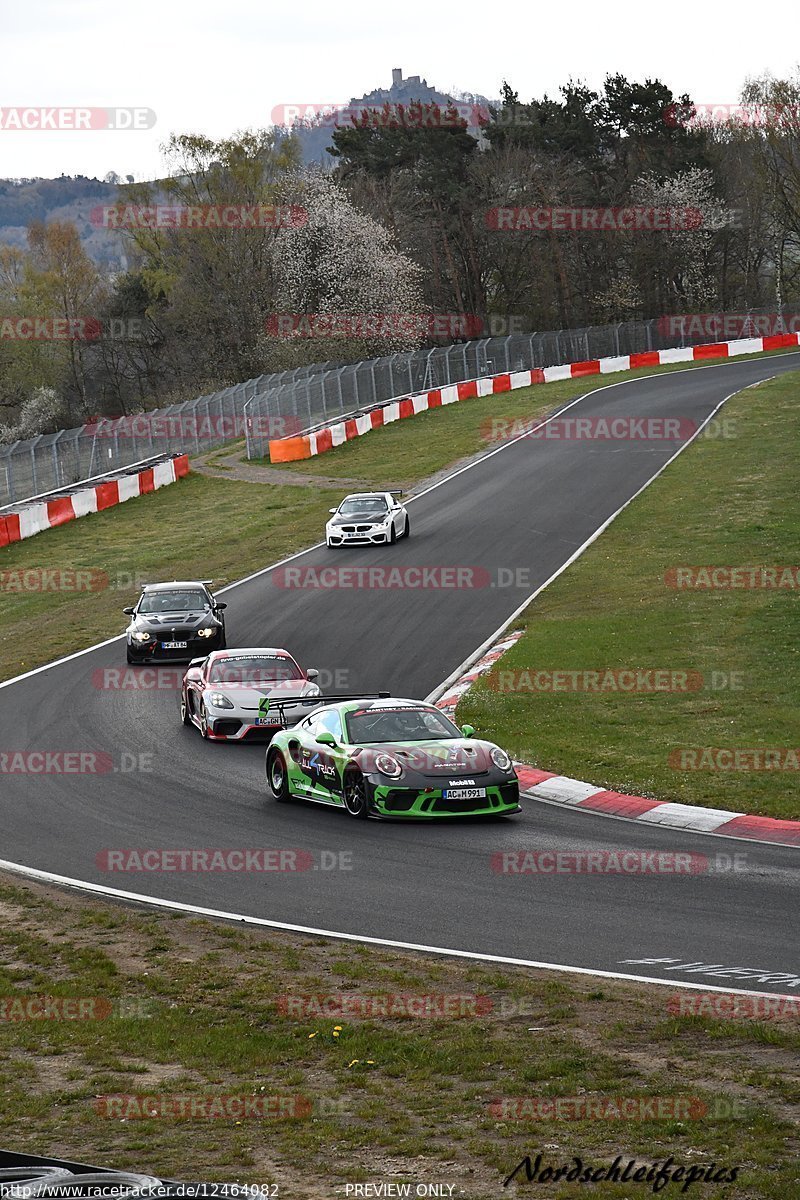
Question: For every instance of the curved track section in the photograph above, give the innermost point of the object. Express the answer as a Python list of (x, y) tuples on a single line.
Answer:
[(512, 520)]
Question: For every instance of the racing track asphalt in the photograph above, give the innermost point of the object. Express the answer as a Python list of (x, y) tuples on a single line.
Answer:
[(529, 506)]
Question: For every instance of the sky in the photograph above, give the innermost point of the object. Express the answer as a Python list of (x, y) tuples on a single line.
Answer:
[(214, 67)]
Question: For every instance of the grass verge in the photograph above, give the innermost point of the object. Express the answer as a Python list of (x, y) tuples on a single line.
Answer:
[(196, 1011), (725, 501)]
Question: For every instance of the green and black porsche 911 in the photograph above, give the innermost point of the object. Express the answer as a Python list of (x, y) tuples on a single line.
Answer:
[(391, 758)]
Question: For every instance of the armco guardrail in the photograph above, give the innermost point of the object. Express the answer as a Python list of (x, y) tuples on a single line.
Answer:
[(284, 403), (320, 440), (18, 522)]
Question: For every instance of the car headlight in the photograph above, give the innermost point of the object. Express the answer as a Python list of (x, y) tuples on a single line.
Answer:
[(388, 765), (217, 700), (142, 635), (500, 758)]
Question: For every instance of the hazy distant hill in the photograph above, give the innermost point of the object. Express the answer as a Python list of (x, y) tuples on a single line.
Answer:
[(65, 199), (72, 198), (315, 137)]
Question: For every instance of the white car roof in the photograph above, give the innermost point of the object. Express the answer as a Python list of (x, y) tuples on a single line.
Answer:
[(367, 496)]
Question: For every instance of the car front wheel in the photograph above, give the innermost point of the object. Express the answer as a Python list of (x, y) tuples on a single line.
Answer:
[(277, 776), (185, 708), (355, 794)]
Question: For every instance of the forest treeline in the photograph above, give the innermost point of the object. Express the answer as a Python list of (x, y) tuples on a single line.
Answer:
[(405, 223)]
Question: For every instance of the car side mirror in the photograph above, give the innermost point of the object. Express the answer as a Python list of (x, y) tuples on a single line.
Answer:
[(333, 510), (312, 674), (129, 611), (196, 662), (468, 730), (326, 739), (219, 607)]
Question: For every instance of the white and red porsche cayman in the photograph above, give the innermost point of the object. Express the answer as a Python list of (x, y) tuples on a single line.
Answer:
[(230, 695)]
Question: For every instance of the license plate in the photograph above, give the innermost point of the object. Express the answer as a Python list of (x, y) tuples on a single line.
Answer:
[(464, 793), (266, 721), (174, 645), (353, 535)]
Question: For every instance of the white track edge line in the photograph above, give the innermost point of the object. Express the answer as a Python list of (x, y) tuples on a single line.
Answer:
[(472, 658), (197, 910), (589, 812), (468, 466)]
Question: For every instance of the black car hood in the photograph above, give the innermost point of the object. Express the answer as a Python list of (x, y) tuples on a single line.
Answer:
[(162, 620)]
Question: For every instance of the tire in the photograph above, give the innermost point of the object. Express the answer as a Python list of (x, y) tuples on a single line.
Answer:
[(131, 661), (355, 795), (185, 718), (407, 529), (278, 777), (203, 716), (393, 535), (223, 643)]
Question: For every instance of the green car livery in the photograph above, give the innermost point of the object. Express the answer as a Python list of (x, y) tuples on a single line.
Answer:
[(391, 758)]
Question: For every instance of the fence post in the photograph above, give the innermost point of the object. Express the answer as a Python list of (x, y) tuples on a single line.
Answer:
[(57, 474)]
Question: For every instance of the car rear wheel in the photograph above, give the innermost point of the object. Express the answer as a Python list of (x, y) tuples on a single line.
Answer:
[(355, 794), (277, 776)]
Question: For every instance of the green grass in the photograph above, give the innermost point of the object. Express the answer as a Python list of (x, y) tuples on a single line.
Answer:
[(610, 609), (199, 528), (405, 1095), (725, 501), (409, 450)]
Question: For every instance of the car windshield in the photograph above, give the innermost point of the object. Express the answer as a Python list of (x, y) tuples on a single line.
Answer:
[(179, 601), (366, 504), (252, 670), (368, 725)]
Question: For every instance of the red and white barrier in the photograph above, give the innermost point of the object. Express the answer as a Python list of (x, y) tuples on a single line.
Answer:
[(47, 514), (308, 445), (587, 797)]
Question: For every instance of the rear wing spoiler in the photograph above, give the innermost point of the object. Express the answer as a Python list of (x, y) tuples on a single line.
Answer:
[(280, 704)]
